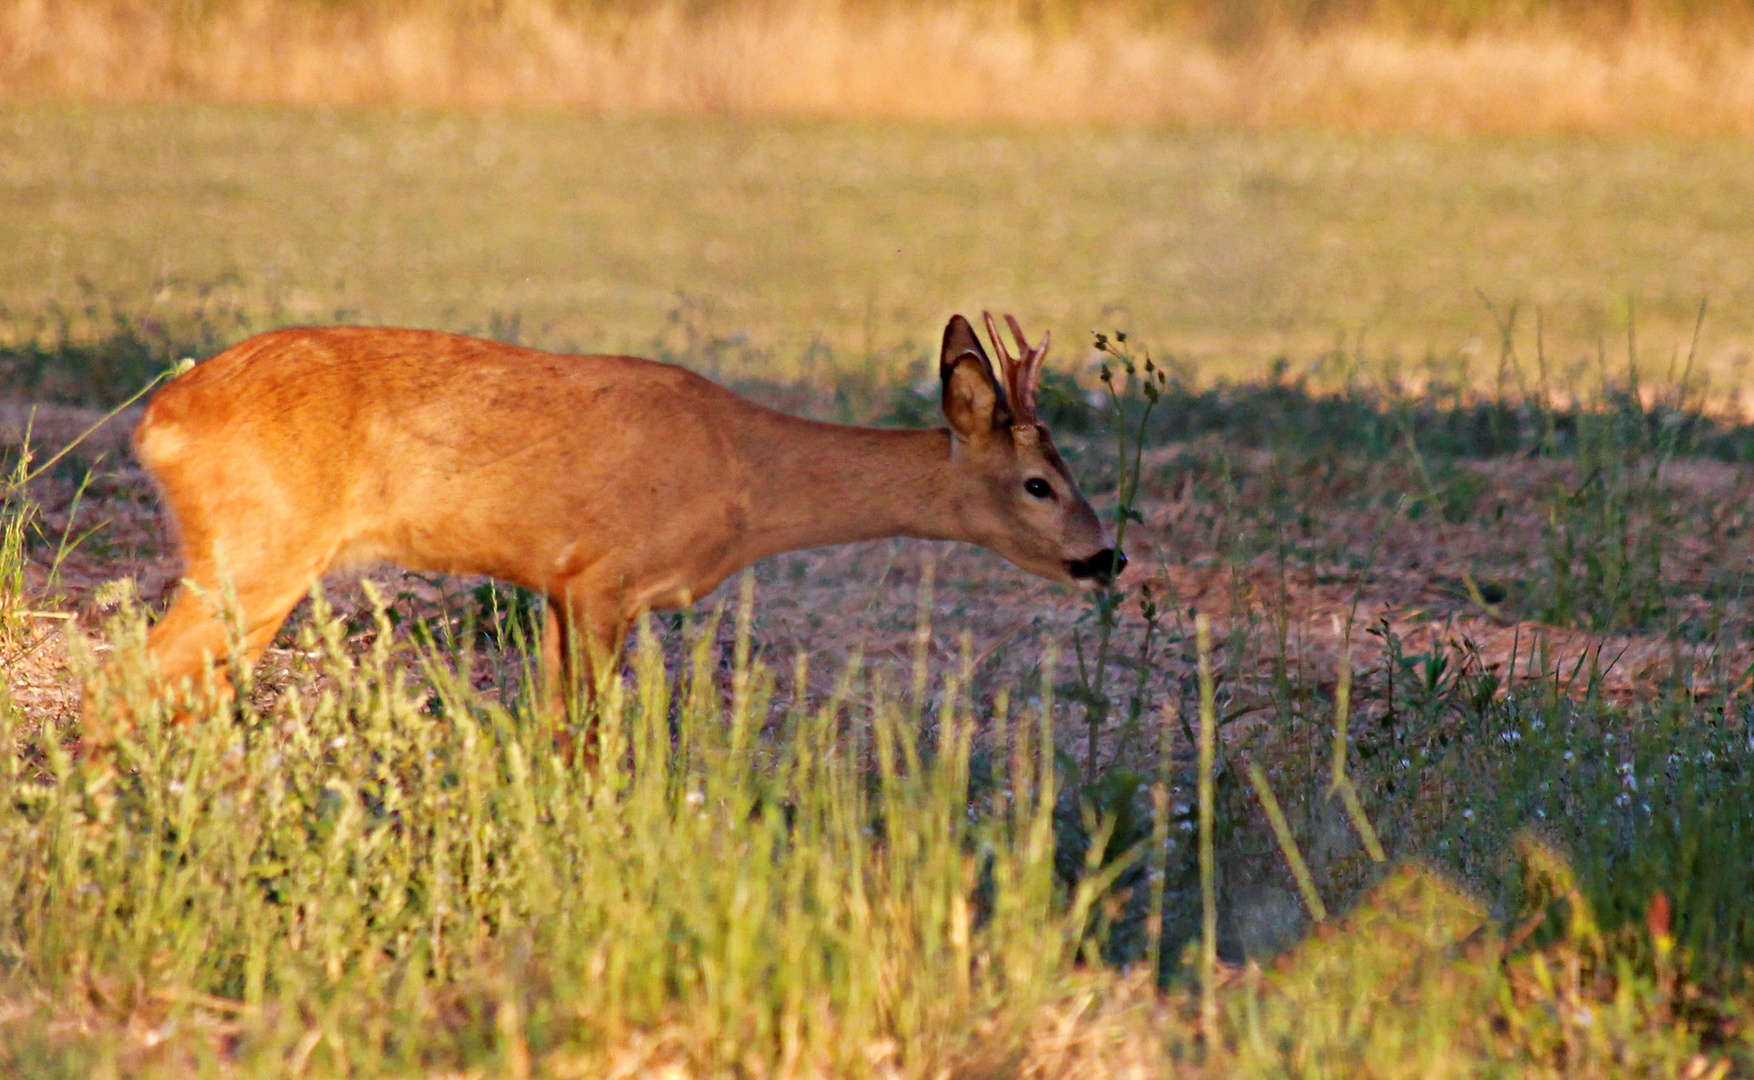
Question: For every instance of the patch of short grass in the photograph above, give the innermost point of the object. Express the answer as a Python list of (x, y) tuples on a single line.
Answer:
[(815, 249)]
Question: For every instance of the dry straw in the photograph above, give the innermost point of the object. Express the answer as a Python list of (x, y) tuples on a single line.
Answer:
[(1342, 783), (1208, 861), (1105, 63)]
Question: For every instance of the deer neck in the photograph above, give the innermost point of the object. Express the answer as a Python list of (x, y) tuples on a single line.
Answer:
[(813, 484)]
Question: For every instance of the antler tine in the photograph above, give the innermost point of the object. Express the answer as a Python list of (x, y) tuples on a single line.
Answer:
[(1036, 357), (1028, 367), (1008, 364), (1005, 357), (1017, 332)]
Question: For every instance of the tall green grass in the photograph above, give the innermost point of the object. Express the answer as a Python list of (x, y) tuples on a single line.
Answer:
[(380, 870)]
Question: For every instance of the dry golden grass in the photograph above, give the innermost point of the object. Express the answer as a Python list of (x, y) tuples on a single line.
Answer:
[(919, 61)]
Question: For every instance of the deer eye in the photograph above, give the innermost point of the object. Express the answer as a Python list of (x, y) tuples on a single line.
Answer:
[(1038, 487)]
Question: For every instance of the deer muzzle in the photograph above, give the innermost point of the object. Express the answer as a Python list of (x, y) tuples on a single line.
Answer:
[(1102, 566)]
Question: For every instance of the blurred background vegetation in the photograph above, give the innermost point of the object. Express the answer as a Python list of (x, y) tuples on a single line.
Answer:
[(1230, 20), (832, 251), (1501, 65)]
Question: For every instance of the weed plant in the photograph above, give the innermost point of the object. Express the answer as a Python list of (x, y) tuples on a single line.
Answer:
[(1127, 415)]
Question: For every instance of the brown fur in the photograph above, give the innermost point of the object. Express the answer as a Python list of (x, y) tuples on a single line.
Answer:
[(611, 485)]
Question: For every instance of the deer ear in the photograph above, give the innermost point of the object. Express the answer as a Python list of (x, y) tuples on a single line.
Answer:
[(974, 401)]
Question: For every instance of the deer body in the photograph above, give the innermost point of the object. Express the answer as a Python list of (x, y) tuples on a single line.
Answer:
[(611, 485)]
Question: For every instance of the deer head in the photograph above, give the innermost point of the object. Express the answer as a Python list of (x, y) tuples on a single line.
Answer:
[(1015, 494)]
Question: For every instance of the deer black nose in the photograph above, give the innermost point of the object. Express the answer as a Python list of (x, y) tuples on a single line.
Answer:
[(1104, 565)]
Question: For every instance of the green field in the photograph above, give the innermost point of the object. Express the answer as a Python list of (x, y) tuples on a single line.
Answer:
[(793, 243), (1480, 798)]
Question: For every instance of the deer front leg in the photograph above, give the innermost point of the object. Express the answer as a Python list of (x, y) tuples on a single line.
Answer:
[(582, 639)]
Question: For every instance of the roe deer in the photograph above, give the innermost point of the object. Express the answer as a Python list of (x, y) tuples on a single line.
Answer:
[(611, 485)]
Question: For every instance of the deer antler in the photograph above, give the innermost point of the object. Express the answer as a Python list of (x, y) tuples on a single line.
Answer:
[(1022, 373), (1029, 367)]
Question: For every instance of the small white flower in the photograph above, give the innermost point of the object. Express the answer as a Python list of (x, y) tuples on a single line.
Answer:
[(697, 798)]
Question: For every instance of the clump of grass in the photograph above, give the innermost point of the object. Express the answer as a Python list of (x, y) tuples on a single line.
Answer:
[(382, 871), (17, 513), (20, 523), (1607, 525)]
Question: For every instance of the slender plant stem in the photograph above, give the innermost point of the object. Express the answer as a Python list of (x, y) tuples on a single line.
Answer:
[(168, 373), (1208, 868), (1342, 784), (1129, 458), (1159, 841), (1342, 699), (1287, 844)]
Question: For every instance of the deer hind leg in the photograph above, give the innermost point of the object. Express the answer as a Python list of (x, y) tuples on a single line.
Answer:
[(191, 643), (190, 651), (190, 648)]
